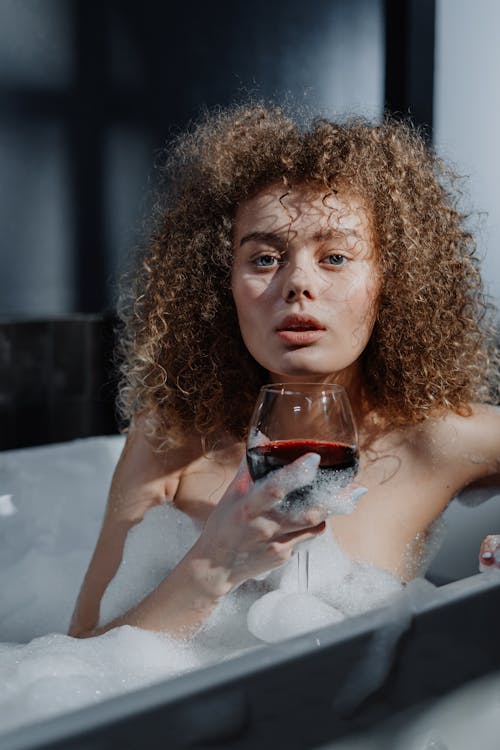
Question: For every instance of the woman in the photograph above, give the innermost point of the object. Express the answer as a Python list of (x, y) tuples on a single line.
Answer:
[(330, 254)]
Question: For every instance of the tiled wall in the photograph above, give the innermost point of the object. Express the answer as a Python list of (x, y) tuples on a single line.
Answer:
[(57, 380)]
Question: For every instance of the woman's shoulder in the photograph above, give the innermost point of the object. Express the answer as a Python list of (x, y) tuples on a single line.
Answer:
[(477, 421), (151, 472), (460, 447), (468, 443), (478, 424), (148, 472)]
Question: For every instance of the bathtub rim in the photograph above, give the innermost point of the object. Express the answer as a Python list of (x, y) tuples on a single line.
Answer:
[(71, 728)]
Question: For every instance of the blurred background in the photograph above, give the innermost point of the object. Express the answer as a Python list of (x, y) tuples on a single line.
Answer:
[(91, 91)]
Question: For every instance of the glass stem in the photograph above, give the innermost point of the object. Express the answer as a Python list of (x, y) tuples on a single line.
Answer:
[(303, 571)]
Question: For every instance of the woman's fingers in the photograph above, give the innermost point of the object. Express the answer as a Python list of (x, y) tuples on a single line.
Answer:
[(489, 552), (247, 535), (302, 535), (281, 549), (268, 528), (293, 520)]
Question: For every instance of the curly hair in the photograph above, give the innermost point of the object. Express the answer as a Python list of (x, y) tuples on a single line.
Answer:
[(183, 359)]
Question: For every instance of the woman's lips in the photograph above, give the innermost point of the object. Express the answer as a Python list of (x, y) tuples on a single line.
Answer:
[(300, 337), (298, 330)]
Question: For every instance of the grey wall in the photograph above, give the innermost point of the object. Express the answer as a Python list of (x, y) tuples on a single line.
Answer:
[(467, 113), (89, 92)]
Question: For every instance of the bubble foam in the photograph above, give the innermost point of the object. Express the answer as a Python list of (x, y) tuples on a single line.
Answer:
[(278, 615), (59, 495)]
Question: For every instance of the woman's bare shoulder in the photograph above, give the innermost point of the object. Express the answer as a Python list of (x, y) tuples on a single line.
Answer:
[(412, 472), (455, 449), (148, 474), (469, 443)]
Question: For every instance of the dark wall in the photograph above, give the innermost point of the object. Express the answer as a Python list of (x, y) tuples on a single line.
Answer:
[(57, 380), (89, 91)]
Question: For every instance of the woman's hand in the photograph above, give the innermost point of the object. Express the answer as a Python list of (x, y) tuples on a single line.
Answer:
[(247, 535), (489, 552)]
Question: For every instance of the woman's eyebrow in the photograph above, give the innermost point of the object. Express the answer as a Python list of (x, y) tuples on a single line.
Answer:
[(323, 235), (268, 238), (277, 241)]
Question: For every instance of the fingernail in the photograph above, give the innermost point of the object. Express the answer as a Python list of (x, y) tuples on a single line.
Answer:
[(358, 493), (311, 461)]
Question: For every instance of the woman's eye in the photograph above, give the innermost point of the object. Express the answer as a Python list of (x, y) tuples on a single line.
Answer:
[(336, 260), (265, 261)]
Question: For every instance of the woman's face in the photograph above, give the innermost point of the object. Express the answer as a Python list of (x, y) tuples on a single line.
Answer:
[(305, 281)]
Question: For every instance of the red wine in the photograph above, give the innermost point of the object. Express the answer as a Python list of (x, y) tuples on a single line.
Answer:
[(338, 463)]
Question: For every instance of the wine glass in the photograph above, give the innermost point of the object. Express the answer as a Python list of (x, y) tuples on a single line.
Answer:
[(291, 419)]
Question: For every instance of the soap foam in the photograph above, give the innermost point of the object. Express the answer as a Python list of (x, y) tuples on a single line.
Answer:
[(51, 508), (306, 487), (278, 615), (55, 673)]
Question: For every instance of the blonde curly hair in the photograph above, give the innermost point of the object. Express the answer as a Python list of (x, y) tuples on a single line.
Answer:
[(183, 360)]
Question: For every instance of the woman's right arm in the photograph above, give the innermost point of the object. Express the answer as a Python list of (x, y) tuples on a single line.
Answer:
[(243, 537), (178, 606), (140, 481)]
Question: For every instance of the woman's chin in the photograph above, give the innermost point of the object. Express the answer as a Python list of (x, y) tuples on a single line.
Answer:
[(310, 372)]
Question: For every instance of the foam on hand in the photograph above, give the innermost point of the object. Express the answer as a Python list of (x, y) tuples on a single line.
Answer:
[(307, 485)]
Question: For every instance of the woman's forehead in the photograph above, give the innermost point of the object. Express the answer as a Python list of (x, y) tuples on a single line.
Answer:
[(314, 210)]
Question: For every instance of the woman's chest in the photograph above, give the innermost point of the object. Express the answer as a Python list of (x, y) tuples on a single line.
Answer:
[(408, 489), (393, 522), (204, 482)]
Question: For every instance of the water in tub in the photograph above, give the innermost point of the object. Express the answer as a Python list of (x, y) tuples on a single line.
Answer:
[(51, 504)]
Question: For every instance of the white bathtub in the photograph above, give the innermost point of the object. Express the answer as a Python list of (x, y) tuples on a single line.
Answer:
[(308, 691)]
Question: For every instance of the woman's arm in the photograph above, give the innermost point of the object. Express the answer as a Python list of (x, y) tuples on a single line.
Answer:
[(412, 477), (243, 537), (178, 606), (477, 447), (141, 480), (482, 441), (102, 568)]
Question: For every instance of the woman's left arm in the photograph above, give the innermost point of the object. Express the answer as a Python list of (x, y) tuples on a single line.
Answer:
[(477, 446), (486, 421)]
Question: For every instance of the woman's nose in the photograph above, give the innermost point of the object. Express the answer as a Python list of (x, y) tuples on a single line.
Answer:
[(297, 283)]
